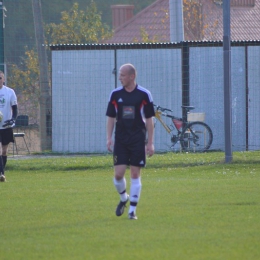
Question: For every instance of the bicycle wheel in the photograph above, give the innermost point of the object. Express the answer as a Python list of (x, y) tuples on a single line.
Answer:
[(196, 137)]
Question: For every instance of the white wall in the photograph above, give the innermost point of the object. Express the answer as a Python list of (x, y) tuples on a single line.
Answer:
[(207, 92), (83, 79), (82, 82), (159, 71), (254, 97)]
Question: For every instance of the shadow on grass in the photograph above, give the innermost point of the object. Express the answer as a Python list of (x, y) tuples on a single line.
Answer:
[(105, 162)]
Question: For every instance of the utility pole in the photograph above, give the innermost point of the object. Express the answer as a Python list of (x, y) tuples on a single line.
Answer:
[(45, 97), (227, 81), (176, 21), (2, 26)]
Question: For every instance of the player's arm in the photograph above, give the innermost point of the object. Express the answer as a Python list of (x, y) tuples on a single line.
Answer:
[(11, 122), (14, 112), (110, 128), (150, 132)]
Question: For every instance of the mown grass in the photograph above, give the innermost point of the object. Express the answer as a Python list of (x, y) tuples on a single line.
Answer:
[(193, 206)]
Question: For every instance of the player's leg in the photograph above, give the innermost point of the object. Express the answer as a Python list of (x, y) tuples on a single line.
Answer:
[(137, 161), (7, 137), (4, 154), (120, 185), (135, 190), (2, 172), (120, 181), (120, 165)]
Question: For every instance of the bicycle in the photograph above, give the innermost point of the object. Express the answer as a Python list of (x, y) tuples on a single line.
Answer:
[(194, 136)]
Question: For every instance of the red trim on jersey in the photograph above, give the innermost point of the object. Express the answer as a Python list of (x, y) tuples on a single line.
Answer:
[(142, 104), (115, 104)]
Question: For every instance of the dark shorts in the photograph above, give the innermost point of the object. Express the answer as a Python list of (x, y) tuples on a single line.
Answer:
[(133, 154), (6, 136)]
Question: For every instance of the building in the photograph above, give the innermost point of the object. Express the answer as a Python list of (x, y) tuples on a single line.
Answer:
[(203, 20)]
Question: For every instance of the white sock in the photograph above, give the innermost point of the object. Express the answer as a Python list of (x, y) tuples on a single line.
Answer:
[(135, 192), (121, 188)]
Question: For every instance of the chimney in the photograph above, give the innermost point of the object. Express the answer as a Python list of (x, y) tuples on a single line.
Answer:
[(121, 14)]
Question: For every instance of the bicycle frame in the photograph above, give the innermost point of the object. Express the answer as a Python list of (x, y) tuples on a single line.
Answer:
[(158, 116), (186, 133), (177, 122)]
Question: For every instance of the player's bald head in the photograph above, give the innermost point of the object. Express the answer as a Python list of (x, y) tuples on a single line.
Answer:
[(128, 68)]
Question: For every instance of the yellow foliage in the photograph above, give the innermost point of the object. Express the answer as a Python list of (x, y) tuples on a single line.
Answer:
[(145, 36), (193, 21), (26, 83), (79, 27), (76, 27)]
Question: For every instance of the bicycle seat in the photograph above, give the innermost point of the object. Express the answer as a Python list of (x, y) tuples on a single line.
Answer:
[(188, 108)]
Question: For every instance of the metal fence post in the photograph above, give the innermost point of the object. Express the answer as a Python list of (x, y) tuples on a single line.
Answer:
[(227, 81)]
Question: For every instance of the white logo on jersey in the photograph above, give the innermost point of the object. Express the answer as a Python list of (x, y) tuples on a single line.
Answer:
[(120, 100), (142, 162)]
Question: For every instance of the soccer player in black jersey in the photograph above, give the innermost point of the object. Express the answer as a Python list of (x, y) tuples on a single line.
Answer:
[(130, 109)]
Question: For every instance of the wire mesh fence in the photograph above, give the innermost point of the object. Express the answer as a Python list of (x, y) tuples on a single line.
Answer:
[(85, 43)]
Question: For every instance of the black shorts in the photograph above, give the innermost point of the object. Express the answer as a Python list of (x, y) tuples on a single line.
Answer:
[(133, 154), (6, 136)]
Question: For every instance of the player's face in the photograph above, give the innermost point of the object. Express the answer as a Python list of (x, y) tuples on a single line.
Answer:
[(125, 77)]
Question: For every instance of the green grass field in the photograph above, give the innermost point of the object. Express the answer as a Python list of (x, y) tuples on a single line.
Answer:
[(192, 206)]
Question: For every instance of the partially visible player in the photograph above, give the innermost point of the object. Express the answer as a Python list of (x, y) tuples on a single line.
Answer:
[(9, 110), (130, 109)]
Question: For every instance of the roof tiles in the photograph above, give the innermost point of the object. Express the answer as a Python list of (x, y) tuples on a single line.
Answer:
[(154, 22)]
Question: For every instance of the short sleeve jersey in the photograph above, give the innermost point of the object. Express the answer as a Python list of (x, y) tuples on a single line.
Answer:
[(7, 100), (130, 110)]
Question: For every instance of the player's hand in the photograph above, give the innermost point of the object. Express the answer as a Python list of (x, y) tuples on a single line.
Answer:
[(109, 145), (9, 123), (149, 149)]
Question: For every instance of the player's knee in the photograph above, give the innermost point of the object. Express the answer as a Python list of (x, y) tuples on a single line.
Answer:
[(119, 175)]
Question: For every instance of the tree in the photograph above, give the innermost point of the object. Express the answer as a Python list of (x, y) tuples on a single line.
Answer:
[(26, 83), (75, 27), (197, 22), (79, 27), (194, 21), (145, 37)]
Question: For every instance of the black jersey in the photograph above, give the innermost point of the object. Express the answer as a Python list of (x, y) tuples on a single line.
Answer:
[(130, 110)]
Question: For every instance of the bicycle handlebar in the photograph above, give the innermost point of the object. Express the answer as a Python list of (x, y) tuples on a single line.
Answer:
[(162, 108)]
